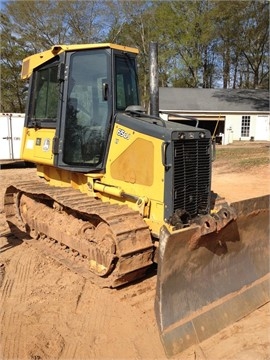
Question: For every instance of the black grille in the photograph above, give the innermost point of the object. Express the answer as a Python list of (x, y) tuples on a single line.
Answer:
[(192, 172)]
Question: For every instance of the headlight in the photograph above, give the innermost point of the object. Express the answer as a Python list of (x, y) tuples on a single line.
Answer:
[(202, 135), (181, 136)]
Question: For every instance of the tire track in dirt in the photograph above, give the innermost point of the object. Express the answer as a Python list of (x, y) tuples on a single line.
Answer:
[(70, 351), (23, 277), (141, 295), (12, 343), (7, 288), (112, 317), (15, 291), (99, 316)]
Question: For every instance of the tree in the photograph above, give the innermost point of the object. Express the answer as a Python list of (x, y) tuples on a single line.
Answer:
[(242, 32), (137, 30), (28, 27), (201, 43), (12, 95), (254, 42), (189, 38)]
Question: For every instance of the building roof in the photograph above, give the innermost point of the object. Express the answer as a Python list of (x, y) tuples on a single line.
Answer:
[(221, 100)]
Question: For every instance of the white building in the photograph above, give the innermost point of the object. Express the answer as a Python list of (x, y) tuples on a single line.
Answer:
[(11, 131), (229, 114)]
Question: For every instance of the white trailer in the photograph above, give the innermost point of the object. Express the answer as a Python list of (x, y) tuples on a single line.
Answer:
[(11, 130)]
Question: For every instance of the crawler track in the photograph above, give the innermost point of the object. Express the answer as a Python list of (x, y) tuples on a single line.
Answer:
[(112, 241)]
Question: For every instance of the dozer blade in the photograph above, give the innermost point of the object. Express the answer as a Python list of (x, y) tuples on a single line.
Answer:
[(225, 277)]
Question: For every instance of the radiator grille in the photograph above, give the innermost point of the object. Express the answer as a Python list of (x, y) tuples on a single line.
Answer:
[(192, 167)]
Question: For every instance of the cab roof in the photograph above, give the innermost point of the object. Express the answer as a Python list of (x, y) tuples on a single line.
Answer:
[(33, 61)]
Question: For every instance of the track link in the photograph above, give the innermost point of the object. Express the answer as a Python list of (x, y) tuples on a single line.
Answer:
[(83, 233)]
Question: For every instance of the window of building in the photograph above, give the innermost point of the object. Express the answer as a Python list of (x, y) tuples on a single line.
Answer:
[(245, 126)]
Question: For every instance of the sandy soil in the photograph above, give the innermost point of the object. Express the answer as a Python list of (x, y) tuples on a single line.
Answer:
[(48, 312)]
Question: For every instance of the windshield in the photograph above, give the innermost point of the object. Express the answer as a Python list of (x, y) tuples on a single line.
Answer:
[(87, 111)]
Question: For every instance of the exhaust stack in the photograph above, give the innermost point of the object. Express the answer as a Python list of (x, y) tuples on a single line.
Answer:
[(154, 89)]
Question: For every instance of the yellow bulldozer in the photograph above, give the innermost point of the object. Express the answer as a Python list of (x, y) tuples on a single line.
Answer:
[(121, 193)]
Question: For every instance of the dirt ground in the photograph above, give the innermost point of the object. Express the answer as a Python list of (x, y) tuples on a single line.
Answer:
[(48, 312)]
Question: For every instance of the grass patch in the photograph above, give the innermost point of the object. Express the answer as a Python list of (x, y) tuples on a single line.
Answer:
[(242, 158), (253, 162)]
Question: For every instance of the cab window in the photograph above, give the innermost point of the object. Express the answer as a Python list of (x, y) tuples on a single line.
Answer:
[(46, 91), (126, 82)]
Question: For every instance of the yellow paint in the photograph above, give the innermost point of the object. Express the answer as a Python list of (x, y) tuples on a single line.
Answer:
[(139, 181), (37, 145), (64, 178), (33, 61), (133, 153), (109, 190), (131, 165), (135, 166)]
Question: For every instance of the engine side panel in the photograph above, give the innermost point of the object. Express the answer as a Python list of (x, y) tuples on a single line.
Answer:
[(37, 145), (135, 165)]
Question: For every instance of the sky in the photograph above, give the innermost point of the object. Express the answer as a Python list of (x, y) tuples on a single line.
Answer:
[(2, 2)]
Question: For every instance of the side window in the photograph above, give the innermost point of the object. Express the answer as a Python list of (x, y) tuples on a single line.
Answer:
[(120, 91), (46, 95), (126, 82)]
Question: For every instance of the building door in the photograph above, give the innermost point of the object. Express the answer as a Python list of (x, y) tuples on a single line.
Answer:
[(11, 128), (262, 131), (5, 139)]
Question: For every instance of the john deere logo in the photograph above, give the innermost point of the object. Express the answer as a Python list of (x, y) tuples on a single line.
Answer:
[(46, 145)]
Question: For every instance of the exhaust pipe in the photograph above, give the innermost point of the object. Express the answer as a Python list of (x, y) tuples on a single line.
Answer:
[(154, 89)]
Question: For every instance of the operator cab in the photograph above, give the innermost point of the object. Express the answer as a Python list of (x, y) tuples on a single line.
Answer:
[(77, 93)]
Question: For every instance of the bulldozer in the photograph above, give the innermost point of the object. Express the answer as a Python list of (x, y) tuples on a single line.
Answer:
[(120, 193)]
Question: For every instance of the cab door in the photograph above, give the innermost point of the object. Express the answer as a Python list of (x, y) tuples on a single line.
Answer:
[(86, 110), (43, 114)]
